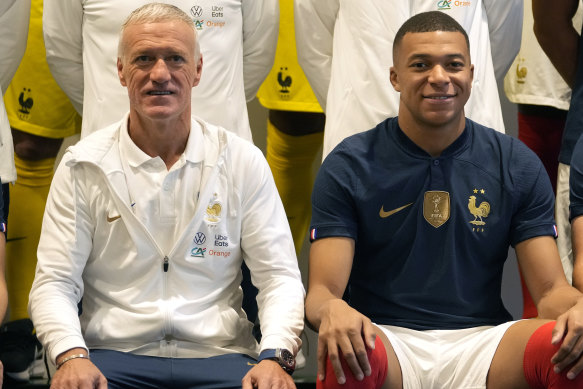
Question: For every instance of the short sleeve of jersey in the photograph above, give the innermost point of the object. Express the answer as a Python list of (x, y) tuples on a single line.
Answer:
[(333, 208), (535, 204), (576, 182)]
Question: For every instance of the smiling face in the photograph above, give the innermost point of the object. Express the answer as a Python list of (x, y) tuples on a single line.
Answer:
[(158, 66), (433, 73)]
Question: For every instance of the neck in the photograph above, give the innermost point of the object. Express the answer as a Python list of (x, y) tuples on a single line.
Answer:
[(432, 139), (160, 138)]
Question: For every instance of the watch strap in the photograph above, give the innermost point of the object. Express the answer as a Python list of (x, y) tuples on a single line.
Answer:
[(276, 355), (269, 353)]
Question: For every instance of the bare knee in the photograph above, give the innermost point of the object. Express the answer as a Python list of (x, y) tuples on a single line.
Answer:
[(385, 370), (506, 370), (523, 359), (394, 379)]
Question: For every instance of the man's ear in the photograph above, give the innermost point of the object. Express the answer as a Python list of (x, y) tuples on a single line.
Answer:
[(395, 79), (122, 79), (196, 79)]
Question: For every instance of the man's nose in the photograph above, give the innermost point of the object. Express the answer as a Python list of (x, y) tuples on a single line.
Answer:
[(438, 75), (160, 72)]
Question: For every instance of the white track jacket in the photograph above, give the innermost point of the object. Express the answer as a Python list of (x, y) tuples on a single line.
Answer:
[(181, 303), (345, 49)]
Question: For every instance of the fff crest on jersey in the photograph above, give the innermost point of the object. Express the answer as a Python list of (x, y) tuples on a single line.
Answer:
[(479, 212), (436, 207), (213, 210)]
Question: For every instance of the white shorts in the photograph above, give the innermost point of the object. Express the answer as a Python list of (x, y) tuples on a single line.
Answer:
[(445, 359)]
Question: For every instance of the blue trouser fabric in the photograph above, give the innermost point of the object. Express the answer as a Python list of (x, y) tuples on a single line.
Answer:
[(126, 370)]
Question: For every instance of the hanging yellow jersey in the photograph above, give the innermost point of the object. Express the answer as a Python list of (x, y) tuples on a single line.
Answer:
[(286, 87), (34, 102)]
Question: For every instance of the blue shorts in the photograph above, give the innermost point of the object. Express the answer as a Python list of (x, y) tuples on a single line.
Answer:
[(126, 370)]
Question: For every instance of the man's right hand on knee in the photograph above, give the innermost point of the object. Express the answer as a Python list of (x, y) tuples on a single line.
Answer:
[(344, 333), (75, 370)]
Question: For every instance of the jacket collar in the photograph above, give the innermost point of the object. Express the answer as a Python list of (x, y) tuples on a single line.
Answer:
[(101, 148)]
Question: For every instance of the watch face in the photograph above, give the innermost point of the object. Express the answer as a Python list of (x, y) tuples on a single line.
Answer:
[(287, 358)]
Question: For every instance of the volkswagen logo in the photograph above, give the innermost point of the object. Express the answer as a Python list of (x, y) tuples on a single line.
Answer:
[(196, 11), (199, 238)]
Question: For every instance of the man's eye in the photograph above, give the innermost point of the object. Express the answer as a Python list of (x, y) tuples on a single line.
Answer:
[(418, 65), (142, 58), (176, 58), (457, 64)]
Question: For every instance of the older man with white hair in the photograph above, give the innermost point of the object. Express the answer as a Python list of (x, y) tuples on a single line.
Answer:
[(148, 222)]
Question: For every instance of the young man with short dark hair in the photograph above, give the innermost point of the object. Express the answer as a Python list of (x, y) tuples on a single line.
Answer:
[(411, 224)]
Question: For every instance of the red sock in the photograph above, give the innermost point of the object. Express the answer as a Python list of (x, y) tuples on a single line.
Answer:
[(538, 369), (378, 366)]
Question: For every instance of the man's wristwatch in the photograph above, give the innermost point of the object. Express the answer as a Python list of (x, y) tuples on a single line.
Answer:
[(284, 357)]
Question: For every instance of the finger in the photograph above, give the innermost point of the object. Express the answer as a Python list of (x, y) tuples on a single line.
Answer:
[(335, 361), (575, 369), (283, 382), (559, 330), (80, 382), (363, 363), (322, 355), (290, 383), (352, 349), (369, 335), (102, 383), (573, 348), (246, 382), (568, 344), (361, 358), (559, 335), (368, 332)]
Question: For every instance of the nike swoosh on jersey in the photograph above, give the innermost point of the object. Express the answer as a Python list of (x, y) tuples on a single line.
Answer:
[(112, 219), (384, 214)]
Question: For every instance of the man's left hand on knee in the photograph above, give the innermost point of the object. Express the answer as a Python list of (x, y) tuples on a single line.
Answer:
[(268, 374)]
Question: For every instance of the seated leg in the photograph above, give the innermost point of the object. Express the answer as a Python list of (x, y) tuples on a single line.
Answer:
[(126, 370), (378, 365), (538, 369)]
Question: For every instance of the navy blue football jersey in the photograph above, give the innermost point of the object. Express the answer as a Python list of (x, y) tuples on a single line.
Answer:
[(432, 233)]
